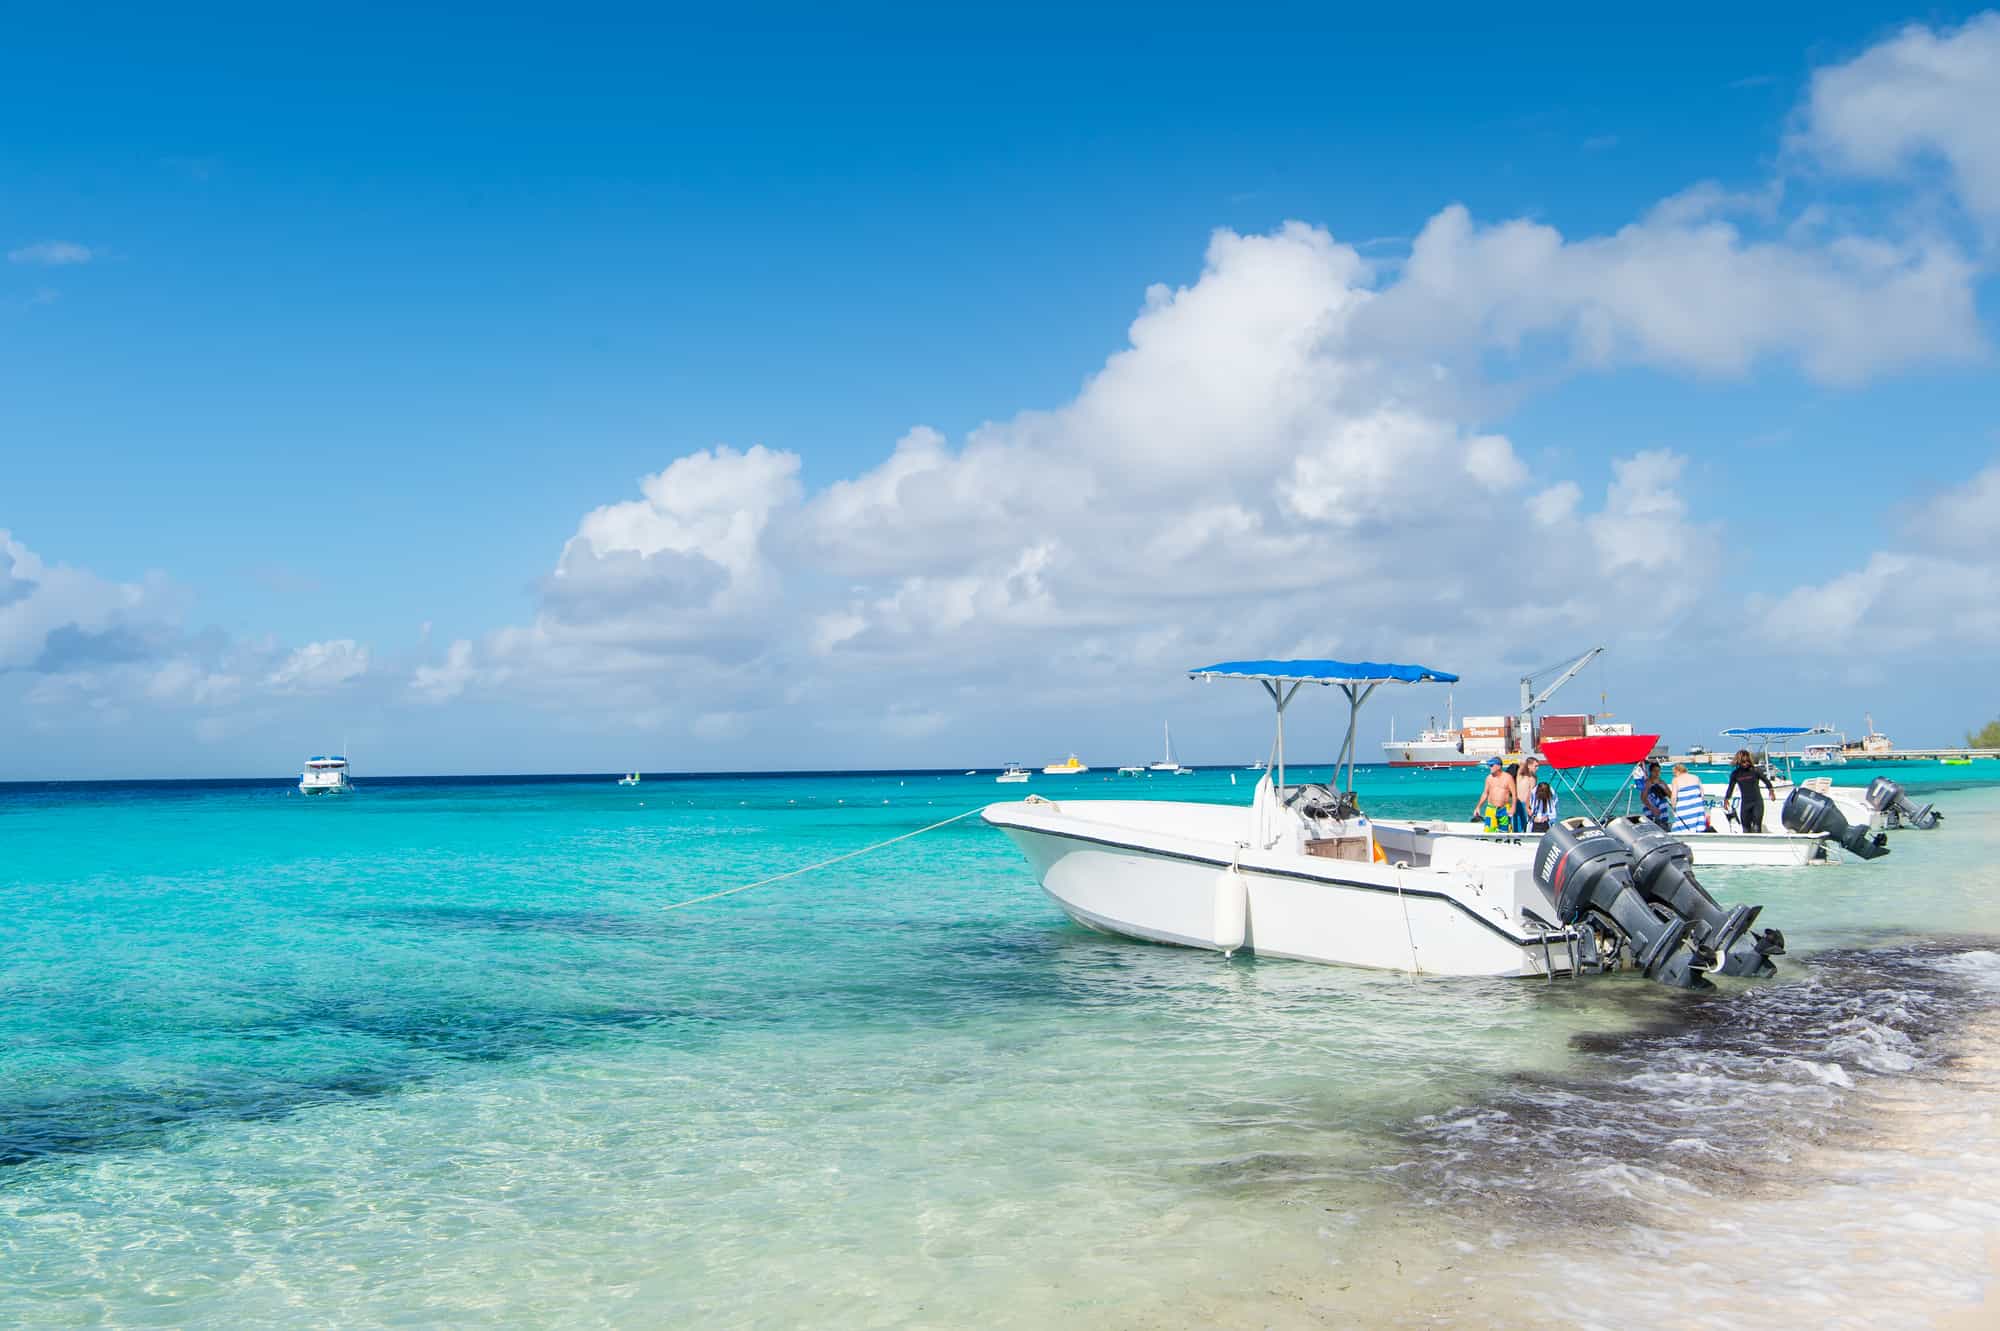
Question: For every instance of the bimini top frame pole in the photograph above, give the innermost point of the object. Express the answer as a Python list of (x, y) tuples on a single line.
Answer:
[(1357, 679), (1775, 742)]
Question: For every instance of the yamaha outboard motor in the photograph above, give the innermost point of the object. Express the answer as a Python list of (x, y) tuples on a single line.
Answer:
[(1663, 871), (1886, 797), (1815, 814), (1588, 872)]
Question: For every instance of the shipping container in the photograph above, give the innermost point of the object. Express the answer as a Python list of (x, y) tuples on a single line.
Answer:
[(1486, 721), (1610, 727)]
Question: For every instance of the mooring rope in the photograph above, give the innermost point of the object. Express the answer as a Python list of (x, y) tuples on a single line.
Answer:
[(794, 873)]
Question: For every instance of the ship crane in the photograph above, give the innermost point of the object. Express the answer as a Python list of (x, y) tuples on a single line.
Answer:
[(1531, 701)]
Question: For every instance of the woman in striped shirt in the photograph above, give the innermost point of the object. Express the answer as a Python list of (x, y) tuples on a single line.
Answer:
[(1690, 805)]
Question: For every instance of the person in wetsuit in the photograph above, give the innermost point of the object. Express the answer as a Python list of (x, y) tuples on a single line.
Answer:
[(1744, 778)]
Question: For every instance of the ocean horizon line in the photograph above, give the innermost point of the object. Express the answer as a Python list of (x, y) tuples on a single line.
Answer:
[(558, 778)]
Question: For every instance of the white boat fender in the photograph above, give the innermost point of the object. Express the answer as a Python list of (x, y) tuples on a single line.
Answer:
[(1232, 910)]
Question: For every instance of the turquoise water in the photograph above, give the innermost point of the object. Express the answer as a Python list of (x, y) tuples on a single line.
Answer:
[(434, 1054)]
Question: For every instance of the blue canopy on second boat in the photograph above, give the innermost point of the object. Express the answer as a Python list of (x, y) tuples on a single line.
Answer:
[(1323, 672)]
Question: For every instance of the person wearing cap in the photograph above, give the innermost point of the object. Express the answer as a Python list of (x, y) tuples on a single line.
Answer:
[(1496, 800)]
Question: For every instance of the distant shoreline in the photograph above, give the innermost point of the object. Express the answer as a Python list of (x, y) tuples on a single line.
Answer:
[(815, 773)]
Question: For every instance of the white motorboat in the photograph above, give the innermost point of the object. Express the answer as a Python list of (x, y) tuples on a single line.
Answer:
[(1567, 760), (1722, 842), (1167, 764), (629, 779), (1132, 769), (1435, 747), (324, 775), (1877, 806), (1304, 874), (1071, 766), (1015, 774)]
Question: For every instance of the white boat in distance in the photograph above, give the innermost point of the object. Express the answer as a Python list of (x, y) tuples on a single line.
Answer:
[(324, 775), (1434, 747), (1303, 874), (629, 779), (1167, 764), (1072, 766), (1014, 775)]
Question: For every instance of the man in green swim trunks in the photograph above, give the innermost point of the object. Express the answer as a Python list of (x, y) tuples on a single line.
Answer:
[(1496, 801)]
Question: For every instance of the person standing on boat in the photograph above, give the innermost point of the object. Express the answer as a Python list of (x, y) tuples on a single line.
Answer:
[(1542, 808), (1744, 779), (1524, 792), (1496, 801), (1690, 805)]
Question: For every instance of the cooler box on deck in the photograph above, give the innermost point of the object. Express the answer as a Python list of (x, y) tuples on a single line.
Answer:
[(1341, 848)]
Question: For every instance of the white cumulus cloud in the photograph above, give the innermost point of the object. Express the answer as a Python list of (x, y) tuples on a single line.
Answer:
[(446, 680), (319, 666), (1925, 96)]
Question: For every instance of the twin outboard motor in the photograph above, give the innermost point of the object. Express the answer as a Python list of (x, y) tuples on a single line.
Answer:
[(1663, 871), (1815, 814), (1636, 879), (1886, 797), (1588, 872)]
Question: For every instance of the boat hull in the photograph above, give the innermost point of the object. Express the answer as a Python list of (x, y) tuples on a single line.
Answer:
[(1850, 800), (1427, 753), (1754, 850), (1163, 888)]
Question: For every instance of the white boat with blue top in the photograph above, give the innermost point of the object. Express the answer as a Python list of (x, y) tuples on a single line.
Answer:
[(1878, 805), (1302, 873), (325, 775)]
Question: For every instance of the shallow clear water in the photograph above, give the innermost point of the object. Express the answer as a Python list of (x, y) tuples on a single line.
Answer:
[(435, 1054)]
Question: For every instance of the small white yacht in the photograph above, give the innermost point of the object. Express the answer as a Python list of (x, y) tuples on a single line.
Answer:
[(1014, 775), (1167, 764), (325, 775), (1304, 874)]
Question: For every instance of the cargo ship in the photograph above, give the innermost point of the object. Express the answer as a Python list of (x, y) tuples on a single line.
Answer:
[(1478, 738)]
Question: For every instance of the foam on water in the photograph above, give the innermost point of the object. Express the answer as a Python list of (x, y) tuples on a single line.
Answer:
[(435, 1056)]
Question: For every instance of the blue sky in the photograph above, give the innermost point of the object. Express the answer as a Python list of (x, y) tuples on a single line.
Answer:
[(362, 313)]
